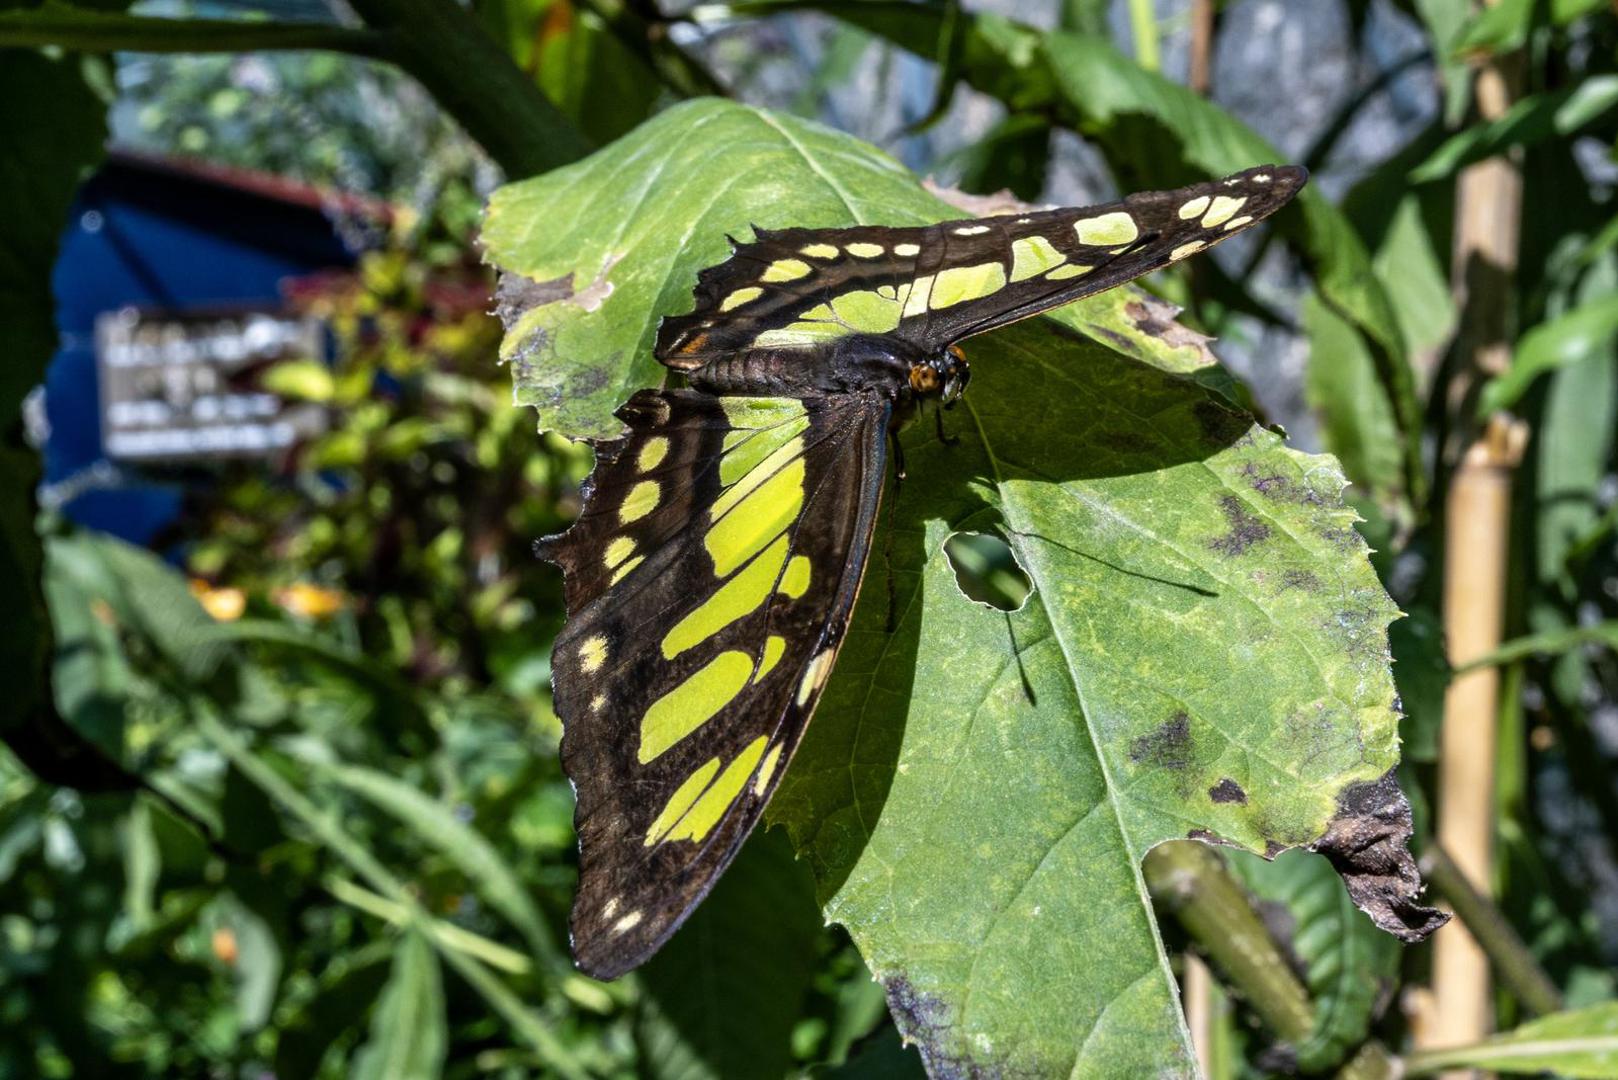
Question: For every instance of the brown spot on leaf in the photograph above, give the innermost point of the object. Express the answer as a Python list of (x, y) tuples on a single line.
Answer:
[(1119, 341), (1279, 486), (1157, 318), (923, 1019), (1344, 538), (1271, 485), (1228, 791), (1208, 836), (516, 295), (1168, 745), (587, 382), (1245, 528), (1367, 843), (1125, 441), (1300, 579)]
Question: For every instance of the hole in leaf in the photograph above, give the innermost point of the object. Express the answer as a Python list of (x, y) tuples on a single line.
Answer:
[(987, 571)]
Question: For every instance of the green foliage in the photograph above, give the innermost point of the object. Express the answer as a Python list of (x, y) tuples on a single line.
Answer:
[(1348, 965), (703, 1015), (407, 1028), (1581, 1043), (353, 851)]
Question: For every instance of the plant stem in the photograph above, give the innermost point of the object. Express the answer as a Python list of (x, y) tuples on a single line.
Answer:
[(1476, 561), (98, 31), (1505, 950), (1143, 27), (1551, 642), (324, 826), (1190, 881), (446, 935)]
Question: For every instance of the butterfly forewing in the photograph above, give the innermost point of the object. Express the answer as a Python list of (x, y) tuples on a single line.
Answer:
[(802, 289), (709, 581)]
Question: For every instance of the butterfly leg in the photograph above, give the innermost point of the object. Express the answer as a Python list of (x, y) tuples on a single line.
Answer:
[(943, 436), (888, 534)]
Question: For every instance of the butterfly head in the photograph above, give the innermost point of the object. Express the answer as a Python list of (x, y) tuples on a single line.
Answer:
[(943, 376)]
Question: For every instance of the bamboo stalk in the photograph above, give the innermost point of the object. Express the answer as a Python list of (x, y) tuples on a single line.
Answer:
[(1200, 75), (1475, 568), (1476, 553), (1197, 991)]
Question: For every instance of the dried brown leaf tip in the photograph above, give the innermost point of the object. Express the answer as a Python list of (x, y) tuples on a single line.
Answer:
[(1367, 842)]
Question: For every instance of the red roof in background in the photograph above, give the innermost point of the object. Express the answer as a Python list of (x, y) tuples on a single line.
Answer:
[(263, 184)]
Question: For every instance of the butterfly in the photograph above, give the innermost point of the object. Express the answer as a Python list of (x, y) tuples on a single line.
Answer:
[(713, 569)]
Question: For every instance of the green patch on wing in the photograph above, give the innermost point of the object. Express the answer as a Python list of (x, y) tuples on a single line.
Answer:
[(979, 787)]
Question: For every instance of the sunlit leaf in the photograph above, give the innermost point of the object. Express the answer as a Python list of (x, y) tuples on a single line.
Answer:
[(1580, 1043)]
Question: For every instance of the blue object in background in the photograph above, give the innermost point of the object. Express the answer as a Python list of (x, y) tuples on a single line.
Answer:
[(155, 233)]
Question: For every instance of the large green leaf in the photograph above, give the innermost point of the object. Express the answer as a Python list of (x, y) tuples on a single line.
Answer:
[(1577, 1043), (1204, 652)]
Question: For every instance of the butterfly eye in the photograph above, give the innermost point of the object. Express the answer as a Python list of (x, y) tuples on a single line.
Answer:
[(924, 379)]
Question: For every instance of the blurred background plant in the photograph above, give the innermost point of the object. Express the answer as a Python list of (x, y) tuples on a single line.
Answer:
[(353, 849)]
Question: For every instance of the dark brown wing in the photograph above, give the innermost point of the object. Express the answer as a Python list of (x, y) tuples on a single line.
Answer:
[(709, 580), (934, 285)]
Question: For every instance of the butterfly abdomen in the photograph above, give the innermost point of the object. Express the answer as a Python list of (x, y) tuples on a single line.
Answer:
[(857, 363)]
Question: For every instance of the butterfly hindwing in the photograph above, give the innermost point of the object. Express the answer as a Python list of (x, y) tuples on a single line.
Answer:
[(934, 285), (709, 580)]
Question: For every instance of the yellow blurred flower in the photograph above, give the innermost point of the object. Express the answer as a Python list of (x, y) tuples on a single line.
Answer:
[(224, 604), (310, 601), (224, 946)]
